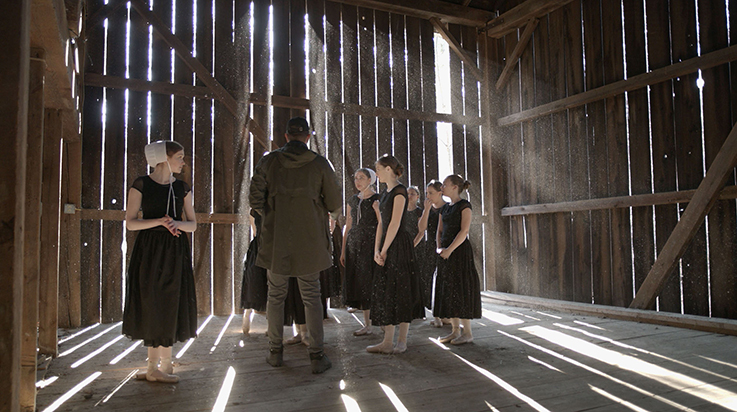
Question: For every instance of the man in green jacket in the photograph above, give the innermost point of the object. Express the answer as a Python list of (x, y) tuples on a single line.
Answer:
[(295, 189)]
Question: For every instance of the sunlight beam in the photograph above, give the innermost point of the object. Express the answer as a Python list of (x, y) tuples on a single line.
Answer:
[(350, 404), (224, 394), (191, 340), (500, 318), (96, 352), (78, 333), (71, 392), (71, 350), (117, 388), (125, 352), (394, 398), (617, 399), (222, 332)]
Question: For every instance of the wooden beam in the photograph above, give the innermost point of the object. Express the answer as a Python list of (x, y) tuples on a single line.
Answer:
[(101, 14), (357, 109), (468, 63), (115, 82), (519, 15), (15, 32), (50, 217), (705, 61), (689, 223), (702, 323), (427, 9), (517, 53), (202, 72), (648, 199), (202, 218)]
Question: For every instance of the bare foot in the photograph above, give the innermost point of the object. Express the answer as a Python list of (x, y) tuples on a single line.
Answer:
[(465, 338), (366, 330), (294, 340), (383, 347), (400, 347), (159, 376), (453, 335)]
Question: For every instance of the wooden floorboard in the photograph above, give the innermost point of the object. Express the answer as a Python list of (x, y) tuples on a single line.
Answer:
[(521, 359)]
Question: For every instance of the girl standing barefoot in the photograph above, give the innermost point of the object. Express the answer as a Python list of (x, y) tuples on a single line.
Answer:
[(160, 301), (395, 298), (457, 290), (426, 247)]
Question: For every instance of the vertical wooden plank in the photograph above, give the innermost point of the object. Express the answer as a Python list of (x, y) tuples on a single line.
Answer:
[(161, 71), (581, 221), (91, 230), (456, 106), (529, 283), (561, 264), (202, 163), (50, 215), (414, 102), (32, 229), (617, 155), (643, 243), (14, 27), (223, 159), (69, 270), (367, 79), (334, 92), (429, 129), (663, 144), (113, 184), (383, 88), (399, 101), (316, 38), (297, 38), (717, 125), (281, 67), (351, 84), (689, 160), (182, 106), (261, 76)]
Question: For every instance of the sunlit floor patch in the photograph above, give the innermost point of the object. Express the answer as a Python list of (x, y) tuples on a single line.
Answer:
[(125, 353), (504, 385), (225, 390), (393, 398), (523, 315), (548, 315), (83, 344), (617, 399), (350, 404), (357, 320), (491, 408), (96, 352), (588, 325), (731, 365), (597, 372), (222, 332), (437, 342), (551, 367), (71, 392), (500, 318), (74, 335), (117, 387), (46, 382), (191, 340)]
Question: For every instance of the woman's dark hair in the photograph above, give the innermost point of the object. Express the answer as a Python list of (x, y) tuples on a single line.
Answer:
[(438, 186), (391, 161), (462, 183), (173, 148)]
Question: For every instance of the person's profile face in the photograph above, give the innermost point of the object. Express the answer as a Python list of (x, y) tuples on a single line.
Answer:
[(449, 189), (383, 172), (176, 161), (433, 194), (412, 196), (361, 181)]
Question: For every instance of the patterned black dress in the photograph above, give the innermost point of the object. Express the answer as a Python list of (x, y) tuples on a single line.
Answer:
[(428, 257), (359, 252), (396, 295), (411, 220), (254, 289), (457, 290), (160, 300)]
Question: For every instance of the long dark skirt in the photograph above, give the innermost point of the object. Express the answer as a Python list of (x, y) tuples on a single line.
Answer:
[(255, 289), (457, 289)]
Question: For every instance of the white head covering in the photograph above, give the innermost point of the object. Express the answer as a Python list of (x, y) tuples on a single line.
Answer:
[(156, 153), (372, 174)]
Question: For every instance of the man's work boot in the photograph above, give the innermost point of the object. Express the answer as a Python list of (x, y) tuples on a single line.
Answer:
[(276, 357), (320, 362)]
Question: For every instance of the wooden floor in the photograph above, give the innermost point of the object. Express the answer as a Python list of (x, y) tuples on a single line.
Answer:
[(521, 360)]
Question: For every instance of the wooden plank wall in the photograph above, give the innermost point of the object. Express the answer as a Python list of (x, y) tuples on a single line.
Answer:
[(353, 56), (657, 139)]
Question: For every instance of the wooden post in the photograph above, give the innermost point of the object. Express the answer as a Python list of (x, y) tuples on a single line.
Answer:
[(31, 234), (15, 49), (70, 312), (50, 215), (690, 222)]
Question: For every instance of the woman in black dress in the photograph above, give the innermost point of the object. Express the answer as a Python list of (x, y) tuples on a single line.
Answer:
[(160, 301), (457, 291), (426, 246), (358, 246), (414, 212), (395, 298), (254, 287)]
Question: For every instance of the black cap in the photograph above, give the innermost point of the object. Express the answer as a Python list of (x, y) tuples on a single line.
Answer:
[(297, 126)]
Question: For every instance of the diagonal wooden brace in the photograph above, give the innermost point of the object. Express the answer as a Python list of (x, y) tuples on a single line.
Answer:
[(703, 200), (469, 63)]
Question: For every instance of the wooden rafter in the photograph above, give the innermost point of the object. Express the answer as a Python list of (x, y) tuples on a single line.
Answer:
[(520, 15), (469, 63), (196, 66), (703, 200), (115, 82), (427, 9), (704, 61), (102, 13), (516, 53)]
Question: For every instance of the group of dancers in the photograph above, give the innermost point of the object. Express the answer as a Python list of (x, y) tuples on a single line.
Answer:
[(398, 259)]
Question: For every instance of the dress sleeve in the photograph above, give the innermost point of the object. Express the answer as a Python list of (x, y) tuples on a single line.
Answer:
[(401, 190), (138, 184), (464, 205), (187, 188)]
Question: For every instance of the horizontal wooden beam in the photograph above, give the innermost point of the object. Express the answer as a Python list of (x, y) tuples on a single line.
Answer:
[(649, 199), (426, 9), (689, 223), (404, 114), (202, 218), (520, 15), (702, 323), (517, 53), (685, 67), (114, 82)]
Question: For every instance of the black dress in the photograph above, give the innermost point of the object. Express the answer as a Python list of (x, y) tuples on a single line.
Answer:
[(254, 290), (396, 295), (411, 220), (359, 252), (457, 290), (160, 300), (427, 256)]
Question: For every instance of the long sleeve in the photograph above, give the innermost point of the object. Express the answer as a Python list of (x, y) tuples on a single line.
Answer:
[(331, 192), (257, 192)]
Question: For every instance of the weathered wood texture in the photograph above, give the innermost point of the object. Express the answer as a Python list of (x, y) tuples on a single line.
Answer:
[(609, 131)]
